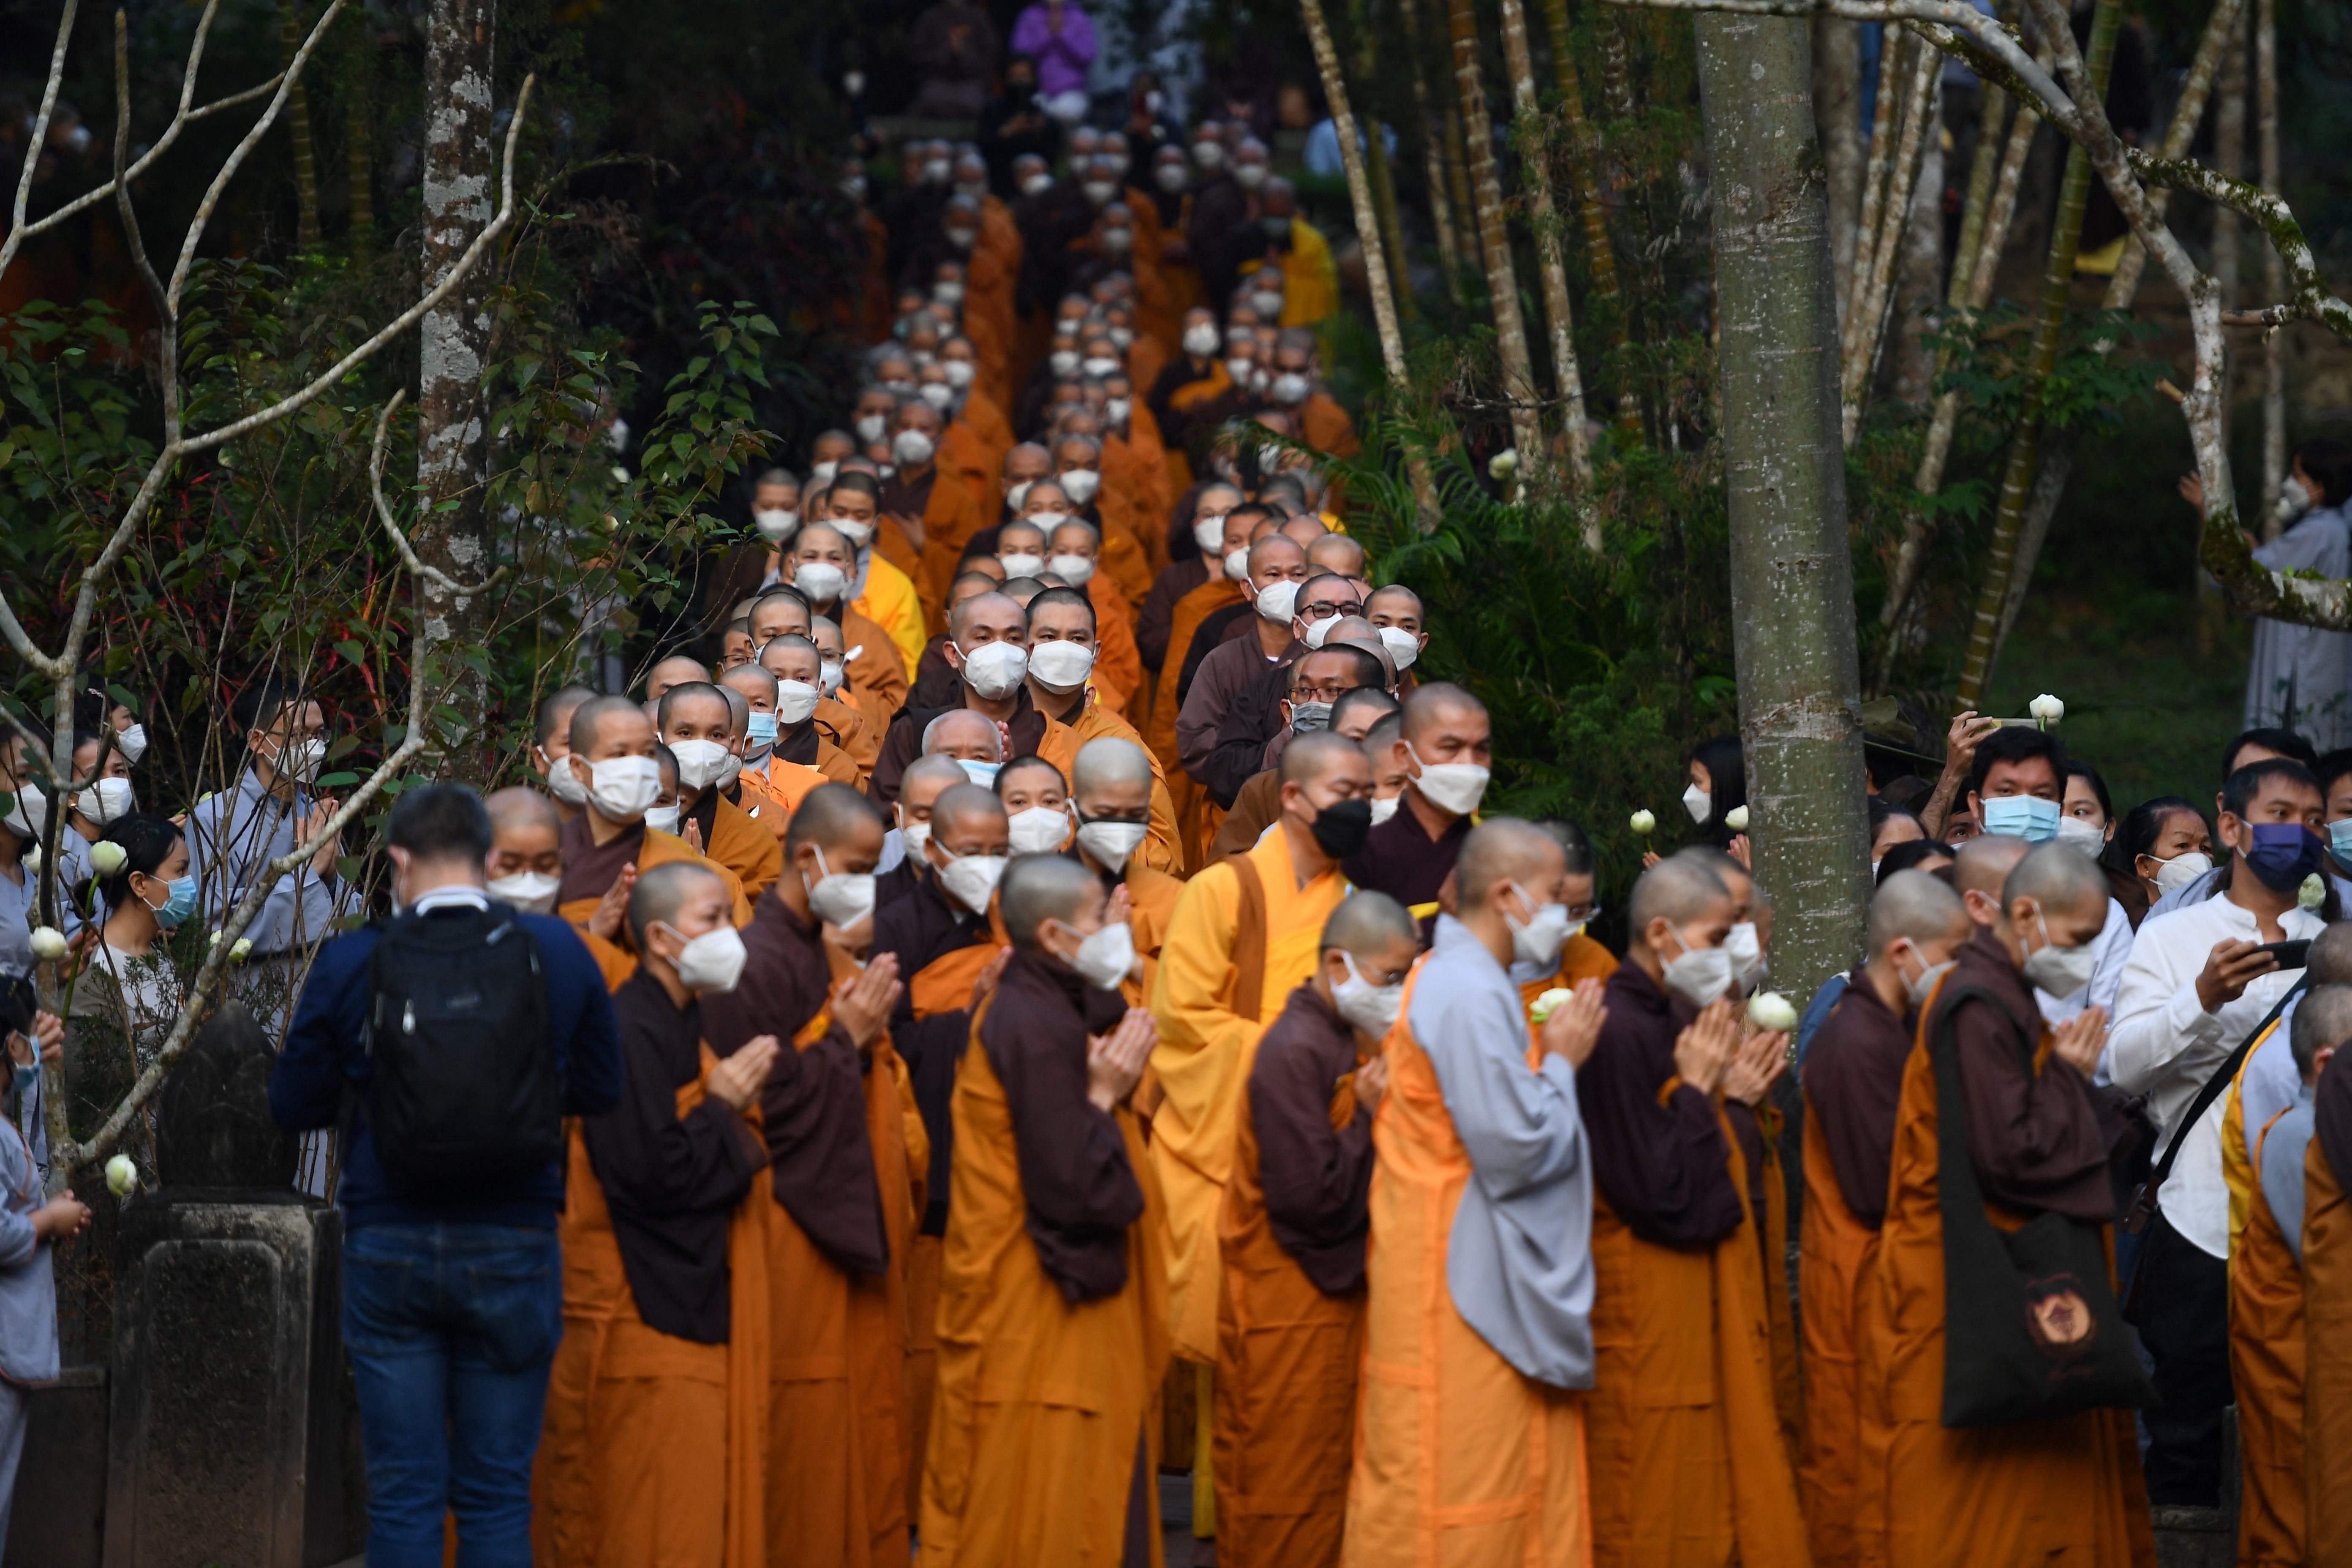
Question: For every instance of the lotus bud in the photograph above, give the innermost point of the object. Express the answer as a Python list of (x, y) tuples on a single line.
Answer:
[(31, 861), (1547, 1003), (1503, 464), (108, 857), (243, 946), (2313, 893), (213, 939), (122, 1176), (49, 943), (2046, 708), (1736, 819), (1643, 822), (1771, 1011)]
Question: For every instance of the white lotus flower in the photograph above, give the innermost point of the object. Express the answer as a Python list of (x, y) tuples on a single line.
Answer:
[(122, 1176), (1736, 819), (2047, 709), (1503, 464), (1550, 1001), (1643, 822), (2313, 893), (108, 857), (1771, 1011), (244, 945), (49, 943)]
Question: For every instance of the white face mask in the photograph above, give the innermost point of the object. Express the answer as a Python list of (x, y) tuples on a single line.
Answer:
[(105, 801), (2181, 869), (1251, 176), (939, 395), (1077, 571), (301, 760), (1116, 409), (1290, 389), (1061, 665), (819, 581), (30, 815), (1099, 366), (1065, 362), (1036, 184), (1277, 600), (1922, 985), (914, 836), (1110, 843), (531, 890), (1080, 485), (831, 672), (994, 668), (2060, 970), (947, 291), (661, 819), (712, 962), (959, 372), (562, 782), (1698, 975), (1020, 564), (1746, 949), (700, 762), (2293, 501), (1104, 958), (1239, 367), (133, 741), (1208, 154), (871, 427), (1237, 565), (1370, 1008), (623, 787), (1539, 939), (1402, 646), (1172, 177), (1699, 803), (1039, 830), (776, 523), (822, 473), (1209, 533), (843, 898), (1267, 303), (912, 448), (795, 701), (2088, 836), (1318, 632), (971, 879), (1385, 809), (1200, 341), (1455, 788), (1018, 494)]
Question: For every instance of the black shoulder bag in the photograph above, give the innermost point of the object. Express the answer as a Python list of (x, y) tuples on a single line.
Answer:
[(2031, 1332), (2142, 1204)]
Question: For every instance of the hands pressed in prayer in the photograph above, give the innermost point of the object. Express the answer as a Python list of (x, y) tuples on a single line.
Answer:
[(613, 909), (2078, 1041), (1574, 1027), (983, 986), (1760, 1059), (1114, 1061), (1372, 1083), (1703, 1052), (861, 1003), (736, 1081)]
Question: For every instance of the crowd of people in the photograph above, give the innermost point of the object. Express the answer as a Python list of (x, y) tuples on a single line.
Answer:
[(1031, 1001)]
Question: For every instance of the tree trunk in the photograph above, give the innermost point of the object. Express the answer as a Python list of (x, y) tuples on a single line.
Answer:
[(2274, 468), (451, 451), (1458, 193), (1784, 470), (1494, 236), (1376, 164), (1837, 116), (1360, 193), (1433, 159), (1568, 378), (290, 32), (2018, 478), (361, 142), (1922, 268)]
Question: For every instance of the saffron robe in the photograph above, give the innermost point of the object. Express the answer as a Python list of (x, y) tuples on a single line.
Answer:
[(590, 870), (2266, 1370), (2328, 1320), (731, 837), (1060, 745)]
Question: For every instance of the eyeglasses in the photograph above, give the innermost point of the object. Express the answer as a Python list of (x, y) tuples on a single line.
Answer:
[(1323, 612), (1331, 693)]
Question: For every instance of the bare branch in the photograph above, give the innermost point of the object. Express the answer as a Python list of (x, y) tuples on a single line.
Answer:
[(400, 544), (122, 188), (40, 135)]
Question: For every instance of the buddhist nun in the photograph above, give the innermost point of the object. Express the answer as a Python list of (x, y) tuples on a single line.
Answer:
[(1290, 1321), (653, 1448), (830, 1112), (1053, 1304), (2327, 1318), (697, 722), (2039, 1136), (1444, 749), (1114, 791), (1852, 1081), (1690, 1465)]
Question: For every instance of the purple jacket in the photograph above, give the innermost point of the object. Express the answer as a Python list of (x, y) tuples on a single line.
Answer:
[(1062, 57)]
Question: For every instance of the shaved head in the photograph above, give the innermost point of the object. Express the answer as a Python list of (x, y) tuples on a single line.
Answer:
[(829, 815), (1309, 756), (1367, 923), (1272, 551), (591, 716), (750, 680), (2057, 877), (1678, 889), (960, 619), (687, 695), (1109, 763), (1434, 703), (520, 810), (2331, 956), (1917, 906), (961, 804), (962, 726), (1982, 865), (1337, 552), (660, 891), (1040, 887), (932, 768), (1503, 850), (555, 713)]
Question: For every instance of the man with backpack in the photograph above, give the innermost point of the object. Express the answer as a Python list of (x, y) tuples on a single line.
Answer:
[(447, 1045)]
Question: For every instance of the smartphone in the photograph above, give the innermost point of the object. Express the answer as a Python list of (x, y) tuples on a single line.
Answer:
[(2290, 954)]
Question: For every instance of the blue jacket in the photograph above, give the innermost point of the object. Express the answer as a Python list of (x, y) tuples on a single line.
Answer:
[(326, 1050)]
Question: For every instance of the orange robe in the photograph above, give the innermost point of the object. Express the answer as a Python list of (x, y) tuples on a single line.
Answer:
[(1460, 1457), (1151, 905), (1836, 1251), (1580, 958), (2066, 1490), (1325, 426), (652, 1453), (851, 728), (1192, 802), (874, 673), (616, 958), (992, 278), (2327, 1358), (950, 516), (1119, 663), (1288, 1360), (746, 847), (1060, 746), (2266, 1364), (1034, 1424), (1136, 464)]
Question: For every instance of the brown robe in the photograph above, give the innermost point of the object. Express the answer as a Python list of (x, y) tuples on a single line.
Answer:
[(590, 870), (2328, 1318)]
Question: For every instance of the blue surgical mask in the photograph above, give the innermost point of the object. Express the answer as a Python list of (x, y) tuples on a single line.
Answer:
[(2025, 816), (763, 730), (180, 905), (2281, 854), (2340, 839), (982, 773)]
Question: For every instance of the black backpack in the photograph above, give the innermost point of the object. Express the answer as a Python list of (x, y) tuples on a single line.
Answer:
[(467, 1089)]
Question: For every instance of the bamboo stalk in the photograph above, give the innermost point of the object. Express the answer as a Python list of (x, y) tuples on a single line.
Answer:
[(1837, 81), (361, 151), (1359, 193), (1584, 153), (1494, 239), (1874, 181), (2024, 453), (1432, 148), (1376, 162), (2273, 268), (1874, 289), (298, 124), (1552, 263)]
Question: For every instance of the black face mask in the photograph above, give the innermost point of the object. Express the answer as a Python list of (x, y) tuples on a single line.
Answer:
[(1340, 829)]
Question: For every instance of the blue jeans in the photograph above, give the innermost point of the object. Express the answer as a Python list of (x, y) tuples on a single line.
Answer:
[(450, 1329)]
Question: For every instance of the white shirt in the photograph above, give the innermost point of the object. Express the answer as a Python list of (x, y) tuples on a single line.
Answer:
[(2165, 1045)]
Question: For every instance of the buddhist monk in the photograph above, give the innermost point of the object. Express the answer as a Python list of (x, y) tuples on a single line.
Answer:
[(650, 1451), (1052, 1306), (1479, 1338), (552, 743), (836, 1423), (526, 864), (884, 582), (799, 755), (2067, 1489), (823, 563), (2327, 1318), (677, 669), (1276, 566), (1074, 553), (1200, 555), (697, 723), (851, 729), (1853, 1079), (1243, 938), (1445, 747), (1061, 626), (1222, 590), (611, 760), (1688, 1458), (1114, 795), (1581, 957), (1354, 715), (1291, 1234), (939, 516), (987, 648)]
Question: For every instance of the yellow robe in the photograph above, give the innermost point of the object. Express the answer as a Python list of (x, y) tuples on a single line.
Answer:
[(891, 602), (1210, 1019)]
